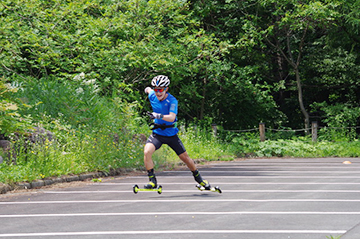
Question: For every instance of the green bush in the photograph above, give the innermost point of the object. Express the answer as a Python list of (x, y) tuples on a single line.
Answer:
[(91, 132), (341, 120), (10, 118), (296, 147)]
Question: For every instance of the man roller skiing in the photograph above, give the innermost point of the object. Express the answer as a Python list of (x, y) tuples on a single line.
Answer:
[(165, 109)]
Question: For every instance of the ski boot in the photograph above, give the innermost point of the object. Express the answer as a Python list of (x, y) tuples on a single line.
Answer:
[(152, 181), (207, 187), (151, 186), (203, 184)]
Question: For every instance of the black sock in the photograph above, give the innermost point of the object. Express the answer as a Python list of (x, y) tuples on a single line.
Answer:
[(151, 175), (197, 176), (151, 172)]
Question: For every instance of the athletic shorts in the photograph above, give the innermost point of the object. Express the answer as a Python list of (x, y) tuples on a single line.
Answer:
[(174, 142)]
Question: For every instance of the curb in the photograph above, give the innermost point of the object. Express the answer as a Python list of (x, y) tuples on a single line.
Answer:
[(353, 233), (4, 188)]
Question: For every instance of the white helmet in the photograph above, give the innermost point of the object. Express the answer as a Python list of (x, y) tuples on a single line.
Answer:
[(160, 81)]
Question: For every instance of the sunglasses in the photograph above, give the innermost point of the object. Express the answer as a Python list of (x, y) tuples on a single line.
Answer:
[(159, 90)]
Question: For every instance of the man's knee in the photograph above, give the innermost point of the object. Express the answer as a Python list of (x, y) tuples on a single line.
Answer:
[(149, 149), (185, 157)]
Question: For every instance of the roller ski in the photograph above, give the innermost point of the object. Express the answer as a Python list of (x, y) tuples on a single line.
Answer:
[(151, 186), (205, 186), (136, 189)]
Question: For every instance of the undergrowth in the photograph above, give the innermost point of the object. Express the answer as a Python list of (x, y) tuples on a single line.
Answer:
[(92, 132)]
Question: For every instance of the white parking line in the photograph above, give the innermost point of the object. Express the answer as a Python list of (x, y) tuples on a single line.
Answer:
[(289, 160), (191, 191), (343, 166), (237, 183), (179, 213), (254, 177), (180, 200), (271, 171), (49, 234)]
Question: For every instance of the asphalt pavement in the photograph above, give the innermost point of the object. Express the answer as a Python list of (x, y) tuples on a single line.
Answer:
[(280, 198)]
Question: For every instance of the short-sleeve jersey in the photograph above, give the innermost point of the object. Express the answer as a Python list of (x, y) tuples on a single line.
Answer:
[(170, 104)]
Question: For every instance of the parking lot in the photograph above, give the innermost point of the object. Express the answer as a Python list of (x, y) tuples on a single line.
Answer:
[(262, 198)]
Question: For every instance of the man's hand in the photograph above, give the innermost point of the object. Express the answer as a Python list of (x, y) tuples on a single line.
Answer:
[(147, 89), (154, 115)]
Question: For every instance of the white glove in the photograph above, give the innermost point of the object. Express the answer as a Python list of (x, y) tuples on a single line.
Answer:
[(154, 115), (146, 89)]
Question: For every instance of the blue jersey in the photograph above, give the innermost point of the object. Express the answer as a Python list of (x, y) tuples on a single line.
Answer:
[(170, 104)]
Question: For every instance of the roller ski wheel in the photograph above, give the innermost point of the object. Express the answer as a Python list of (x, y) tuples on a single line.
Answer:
[(212, 189), (136, 189)]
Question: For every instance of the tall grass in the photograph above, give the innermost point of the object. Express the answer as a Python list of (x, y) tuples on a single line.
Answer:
[(91, 133), (201, 145), (96, 133)]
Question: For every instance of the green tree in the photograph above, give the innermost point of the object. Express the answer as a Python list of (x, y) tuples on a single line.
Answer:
[(293, 43), (236, 90), (240, 61), (290, 27)]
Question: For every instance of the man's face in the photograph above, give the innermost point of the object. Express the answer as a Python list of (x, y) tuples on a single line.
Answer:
[(160, 92)]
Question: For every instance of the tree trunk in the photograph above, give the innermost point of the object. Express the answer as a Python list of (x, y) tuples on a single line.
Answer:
[(295, 65), (203, 99), (301, 102)]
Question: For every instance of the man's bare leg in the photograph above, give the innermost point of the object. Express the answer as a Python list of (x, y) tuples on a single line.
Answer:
[(191, 165), (149, 149)]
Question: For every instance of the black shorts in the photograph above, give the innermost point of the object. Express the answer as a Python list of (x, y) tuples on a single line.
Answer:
[(174, 142)]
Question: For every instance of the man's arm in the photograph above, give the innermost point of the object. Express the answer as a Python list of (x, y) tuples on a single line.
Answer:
[(170, 117)]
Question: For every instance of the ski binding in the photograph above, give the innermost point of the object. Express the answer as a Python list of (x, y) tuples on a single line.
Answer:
[(212, 189)]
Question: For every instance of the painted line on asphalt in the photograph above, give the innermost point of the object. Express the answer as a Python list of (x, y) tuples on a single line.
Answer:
[(268, 171), (180, 200), (283, 161), (250, 176), (179, 213), (51, 234), (343, 166), (190, 191), (285, 164), (238, 183)]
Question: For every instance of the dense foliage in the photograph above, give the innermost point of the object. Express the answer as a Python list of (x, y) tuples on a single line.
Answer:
[(79, 68), (234, 62)]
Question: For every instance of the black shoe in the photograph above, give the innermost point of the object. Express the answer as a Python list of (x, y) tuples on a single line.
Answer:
[(152, 182), (150, 185), (200, 181), (205, 184)]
